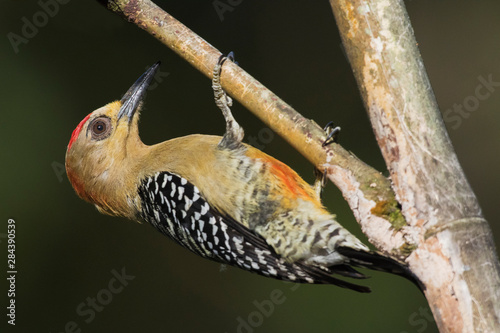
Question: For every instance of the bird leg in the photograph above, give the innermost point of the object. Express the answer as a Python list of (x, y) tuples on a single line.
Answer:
[(234, 132), (319, 181), (331, 136)]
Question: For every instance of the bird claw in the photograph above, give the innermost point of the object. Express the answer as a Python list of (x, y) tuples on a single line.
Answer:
[(223, 58), (332, 134)]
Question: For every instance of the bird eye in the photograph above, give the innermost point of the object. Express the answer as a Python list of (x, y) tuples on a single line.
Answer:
[(100, 128)]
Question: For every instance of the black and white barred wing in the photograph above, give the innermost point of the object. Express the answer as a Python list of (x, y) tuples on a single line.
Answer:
[(177, 209)]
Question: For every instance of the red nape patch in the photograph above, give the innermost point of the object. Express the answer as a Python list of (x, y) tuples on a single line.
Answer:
[(77, 130)]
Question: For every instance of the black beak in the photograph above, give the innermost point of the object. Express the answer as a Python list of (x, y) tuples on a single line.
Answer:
[(134, 96)]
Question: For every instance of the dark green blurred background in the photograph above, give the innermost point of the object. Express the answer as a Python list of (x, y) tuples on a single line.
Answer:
[(85, 56)]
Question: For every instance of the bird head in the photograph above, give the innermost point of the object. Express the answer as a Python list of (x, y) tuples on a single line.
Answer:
[(100, 144)]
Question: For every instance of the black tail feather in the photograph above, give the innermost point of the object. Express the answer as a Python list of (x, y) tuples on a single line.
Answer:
[(347, 271), (323, 277), (378, 262)]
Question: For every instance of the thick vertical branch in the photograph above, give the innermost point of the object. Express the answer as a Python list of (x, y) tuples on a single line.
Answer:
[(455, 256)]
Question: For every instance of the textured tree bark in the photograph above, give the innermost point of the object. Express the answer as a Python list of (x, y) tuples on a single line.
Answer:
[(455, 256)]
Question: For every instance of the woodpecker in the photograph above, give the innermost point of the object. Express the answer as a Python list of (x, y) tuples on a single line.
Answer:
[(217, 196)]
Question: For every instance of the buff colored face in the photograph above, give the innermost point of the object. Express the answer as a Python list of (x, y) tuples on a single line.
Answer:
[(105, 141)]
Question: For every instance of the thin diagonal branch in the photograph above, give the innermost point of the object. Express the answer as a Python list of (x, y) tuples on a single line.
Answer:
[(367, 191)]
